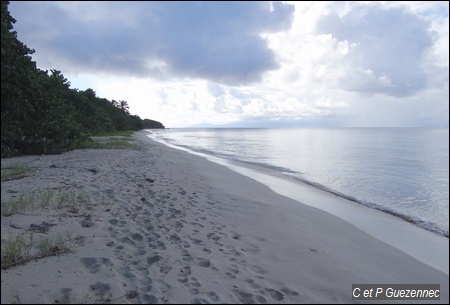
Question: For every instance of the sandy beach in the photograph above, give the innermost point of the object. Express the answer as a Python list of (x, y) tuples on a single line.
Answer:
[(160, 225)]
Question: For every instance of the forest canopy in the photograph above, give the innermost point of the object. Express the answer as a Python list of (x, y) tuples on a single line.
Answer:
[(40, 113)]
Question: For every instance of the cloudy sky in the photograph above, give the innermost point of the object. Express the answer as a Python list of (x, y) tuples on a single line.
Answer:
[(252, 64)]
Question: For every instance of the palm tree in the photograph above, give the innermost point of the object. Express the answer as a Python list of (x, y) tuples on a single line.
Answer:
[(115, 103), (124, 106)]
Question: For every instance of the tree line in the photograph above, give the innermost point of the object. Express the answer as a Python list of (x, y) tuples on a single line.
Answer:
[(40, 113)]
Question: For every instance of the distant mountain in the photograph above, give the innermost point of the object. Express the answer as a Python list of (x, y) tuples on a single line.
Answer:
[(267, 123)]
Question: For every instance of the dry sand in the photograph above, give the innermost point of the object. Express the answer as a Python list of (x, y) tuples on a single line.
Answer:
[(159, 225)]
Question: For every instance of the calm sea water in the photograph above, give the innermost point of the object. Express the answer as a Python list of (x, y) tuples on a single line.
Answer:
[(402, 171)]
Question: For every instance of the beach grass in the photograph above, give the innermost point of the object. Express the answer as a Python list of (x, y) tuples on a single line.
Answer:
[(16, 171), (16, 250), (68, 297), (109, 140), (76, 201), (15, 299)]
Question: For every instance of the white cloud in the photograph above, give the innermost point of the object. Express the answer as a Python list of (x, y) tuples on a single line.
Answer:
[(252, 64)]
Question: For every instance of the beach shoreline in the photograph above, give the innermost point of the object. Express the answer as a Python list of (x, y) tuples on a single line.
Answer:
[(166, 226), (428, 247)]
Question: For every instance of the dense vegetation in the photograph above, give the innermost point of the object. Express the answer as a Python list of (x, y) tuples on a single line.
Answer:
[(40, 113)]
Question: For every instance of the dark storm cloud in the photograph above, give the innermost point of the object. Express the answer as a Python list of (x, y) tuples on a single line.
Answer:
[(218, 41), (389, 42)]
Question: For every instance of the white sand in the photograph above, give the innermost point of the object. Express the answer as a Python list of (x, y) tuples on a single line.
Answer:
[(199, 233)]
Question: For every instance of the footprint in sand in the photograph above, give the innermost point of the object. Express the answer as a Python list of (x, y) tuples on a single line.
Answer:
[(94, 264), (128, 241), (196, 241), (213, 296), (256, 269), (137, 237), (202, 262), (163, 286), (165, 269), (275, 294), (247, 298), (140, 251), (153, 259), (100, 290)]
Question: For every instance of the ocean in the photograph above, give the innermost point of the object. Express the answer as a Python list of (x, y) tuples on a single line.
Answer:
[(400, 171)]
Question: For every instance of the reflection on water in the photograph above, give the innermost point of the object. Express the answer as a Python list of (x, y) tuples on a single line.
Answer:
[(401, 170)]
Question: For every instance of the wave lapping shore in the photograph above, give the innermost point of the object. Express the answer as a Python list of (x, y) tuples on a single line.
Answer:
[(159, 225)]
